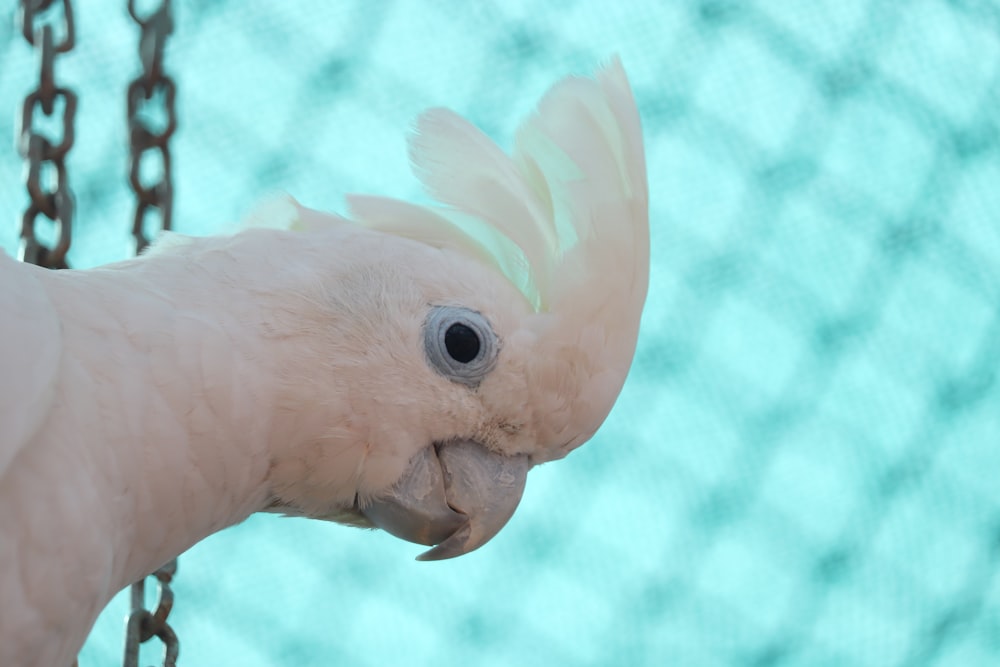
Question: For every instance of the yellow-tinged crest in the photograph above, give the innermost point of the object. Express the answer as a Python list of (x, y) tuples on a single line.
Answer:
[(569, 204)]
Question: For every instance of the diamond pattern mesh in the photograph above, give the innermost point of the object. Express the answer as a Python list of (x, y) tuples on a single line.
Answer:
[(803, 467)]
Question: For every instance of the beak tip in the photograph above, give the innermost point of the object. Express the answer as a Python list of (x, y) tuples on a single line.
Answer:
[(457, 544)]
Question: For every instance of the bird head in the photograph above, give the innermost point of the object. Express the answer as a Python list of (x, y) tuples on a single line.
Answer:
[(487, 333)]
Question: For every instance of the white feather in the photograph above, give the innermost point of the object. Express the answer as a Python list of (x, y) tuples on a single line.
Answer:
[(29, 333), (577, 158)]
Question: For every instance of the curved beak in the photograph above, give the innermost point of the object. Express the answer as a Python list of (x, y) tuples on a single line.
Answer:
[(457, 496)]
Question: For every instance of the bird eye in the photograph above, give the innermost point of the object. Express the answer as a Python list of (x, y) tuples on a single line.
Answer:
[(460, 344)]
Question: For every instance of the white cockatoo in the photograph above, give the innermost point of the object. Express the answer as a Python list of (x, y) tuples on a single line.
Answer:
[(402, 369)]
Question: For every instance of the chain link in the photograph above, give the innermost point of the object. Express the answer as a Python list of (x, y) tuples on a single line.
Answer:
[(142, 624), (49, 196), (143, 138)]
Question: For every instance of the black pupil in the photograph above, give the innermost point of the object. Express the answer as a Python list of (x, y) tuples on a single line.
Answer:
[(462, 343)]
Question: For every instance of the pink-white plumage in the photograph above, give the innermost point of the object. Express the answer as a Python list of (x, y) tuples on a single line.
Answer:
[(404, 368)]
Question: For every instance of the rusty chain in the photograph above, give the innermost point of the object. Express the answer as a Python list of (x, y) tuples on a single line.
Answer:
[(151, 98), (142, 624), (45, 160), (145, 137)]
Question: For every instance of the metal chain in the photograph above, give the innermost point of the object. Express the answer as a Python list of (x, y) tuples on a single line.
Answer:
[(142, 624), (45, 161), (143, 137)]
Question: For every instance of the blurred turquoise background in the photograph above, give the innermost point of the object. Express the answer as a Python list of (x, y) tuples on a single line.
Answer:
[(803, 467)]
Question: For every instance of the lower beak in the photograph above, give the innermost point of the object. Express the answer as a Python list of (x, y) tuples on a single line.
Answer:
[(457, 496)]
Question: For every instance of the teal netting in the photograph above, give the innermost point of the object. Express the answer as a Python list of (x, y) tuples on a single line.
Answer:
[(803, 467)]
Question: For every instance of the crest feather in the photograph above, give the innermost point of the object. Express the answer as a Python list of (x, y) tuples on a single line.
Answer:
[(577, 155), (462, 167), (419, 223)]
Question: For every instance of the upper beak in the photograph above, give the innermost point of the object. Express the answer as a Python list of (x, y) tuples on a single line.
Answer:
[(457, 495)]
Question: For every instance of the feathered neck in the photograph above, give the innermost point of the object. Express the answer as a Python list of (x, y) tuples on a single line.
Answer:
[(158, 433)]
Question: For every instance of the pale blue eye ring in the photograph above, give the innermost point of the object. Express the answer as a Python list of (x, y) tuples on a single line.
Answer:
[(460, 344)]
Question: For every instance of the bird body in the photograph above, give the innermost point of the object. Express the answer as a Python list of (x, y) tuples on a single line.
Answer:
[(402, 369)]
